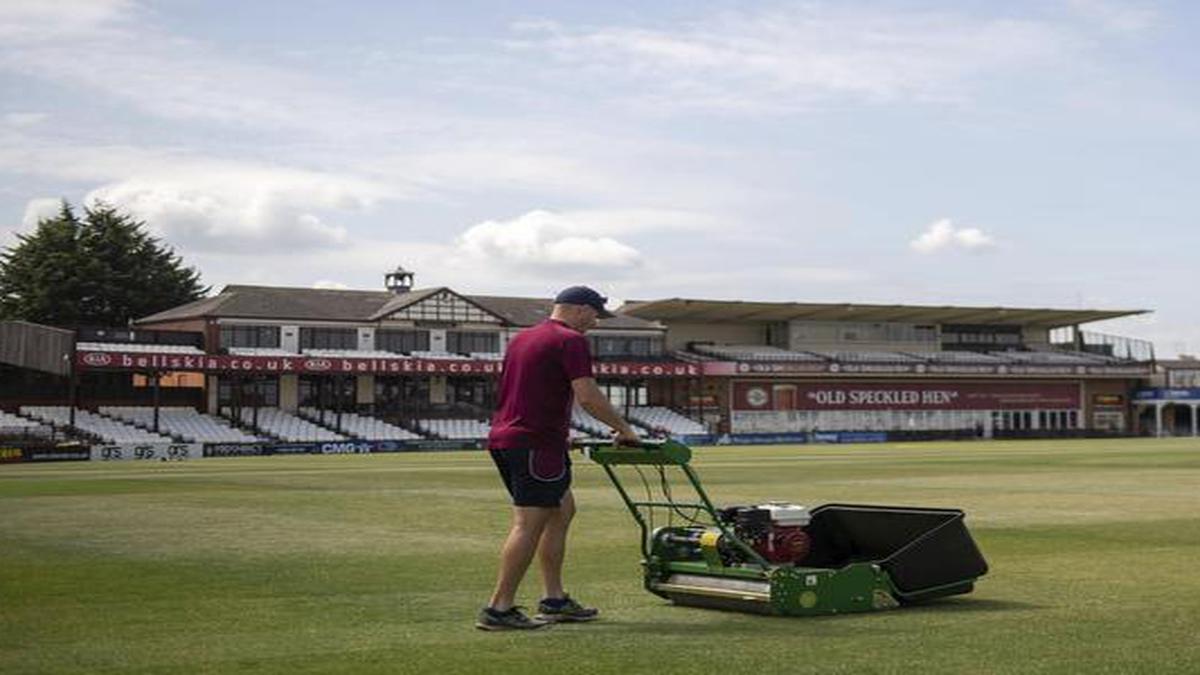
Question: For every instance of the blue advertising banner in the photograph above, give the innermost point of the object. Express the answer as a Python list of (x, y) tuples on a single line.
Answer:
[(849, 437), (1160, 394), (762, 439), (803, 437), (696, 439), (349, 447)]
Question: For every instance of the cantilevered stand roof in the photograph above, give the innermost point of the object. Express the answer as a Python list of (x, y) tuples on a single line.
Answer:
[(733, 311)]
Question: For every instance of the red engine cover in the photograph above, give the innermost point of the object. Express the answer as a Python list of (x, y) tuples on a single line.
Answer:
[(786, 544)]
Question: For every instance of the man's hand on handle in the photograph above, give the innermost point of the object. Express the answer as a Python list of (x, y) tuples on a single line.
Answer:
[(589, 396), (628, 437)]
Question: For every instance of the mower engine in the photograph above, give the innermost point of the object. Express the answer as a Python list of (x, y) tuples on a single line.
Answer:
[(775, 530)]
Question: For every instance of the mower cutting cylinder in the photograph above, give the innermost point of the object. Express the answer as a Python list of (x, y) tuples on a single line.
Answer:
[(786, 559)]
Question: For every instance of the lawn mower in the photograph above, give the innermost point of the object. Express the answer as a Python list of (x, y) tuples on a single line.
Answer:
[(781, 558)]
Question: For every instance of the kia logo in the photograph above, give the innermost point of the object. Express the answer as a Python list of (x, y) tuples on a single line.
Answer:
[(757, 397), (318, 364), (97, 359)]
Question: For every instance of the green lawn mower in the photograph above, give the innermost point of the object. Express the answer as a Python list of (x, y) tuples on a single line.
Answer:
[(786, 559)]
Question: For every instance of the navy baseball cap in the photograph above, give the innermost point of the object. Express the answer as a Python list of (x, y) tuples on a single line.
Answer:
[(582, 295)]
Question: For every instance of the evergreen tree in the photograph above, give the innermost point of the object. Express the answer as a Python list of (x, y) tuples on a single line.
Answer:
[(101, 270)]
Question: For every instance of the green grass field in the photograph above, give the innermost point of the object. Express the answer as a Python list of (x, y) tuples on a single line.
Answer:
[(362, 564)]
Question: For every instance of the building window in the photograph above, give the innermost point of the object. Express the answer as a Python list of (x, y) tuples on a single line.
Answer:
[(467, 342), (256, 393), (809, 332), (620, 394), (401, 394), (981, 337), (1183, 378), (626, 346), (321, 392), (402, 341), (328, 338), (258, 337)]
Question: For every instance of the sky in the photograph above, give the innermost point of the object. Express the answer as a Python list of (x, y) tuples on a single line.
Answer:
[(1028, 154)]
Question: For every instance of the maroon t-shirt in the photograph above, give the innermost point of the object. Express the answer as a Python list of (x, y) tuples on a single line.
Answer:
[(534, 406)]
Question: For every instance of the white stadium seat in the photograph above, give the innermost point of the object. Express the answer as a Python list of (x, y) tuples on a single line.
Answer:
[(755, 353), (23, 425), (110, 430), (352, 354), (360, 426), (186, 423), (582, 419), (659, 418), (136, 347), (259, 351), (458, 429), (1047, 358), (434, 355), (868, 357), (288, 427), (959, 357)]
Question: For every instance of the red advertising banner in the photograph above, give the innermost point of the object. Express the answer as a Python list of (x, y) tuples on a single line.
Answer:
[(638, 369), (300, 364), (905, 396), (821, 368), (281, 364)]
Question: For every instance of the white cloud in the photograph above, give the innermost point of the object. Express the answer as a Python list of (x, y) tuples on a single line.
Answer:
[(543, 239), (792, 59), (27, 155), (533, 254), (40, 20), (330, 285), (114, 49), (38, 209), (35, 211), (240, 208), (942, 235), (362, 263)]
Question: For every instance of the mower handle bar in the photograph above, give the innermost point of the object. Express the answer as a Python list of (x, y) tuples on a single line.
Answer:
[(588, 443)]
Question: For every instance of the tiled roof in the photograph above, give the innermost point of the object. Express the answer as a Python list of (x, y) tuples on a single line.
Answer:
[(316, 304)]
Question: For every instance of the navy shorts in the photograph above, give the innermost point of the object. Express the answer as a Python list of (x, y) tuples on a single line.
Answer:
[(534, 477)]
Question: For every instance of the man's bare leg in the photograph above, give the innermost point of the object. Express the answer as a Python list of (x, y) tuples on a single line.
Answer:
[(552, 549), (528, 524)]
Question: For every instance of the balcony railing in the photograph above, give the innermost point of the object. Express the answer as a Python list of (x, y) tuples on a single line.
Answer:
[(1072, 339)]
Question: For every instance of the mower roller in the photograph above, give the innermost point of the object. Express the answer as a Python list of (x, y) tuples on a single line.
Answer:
[(781, 558)]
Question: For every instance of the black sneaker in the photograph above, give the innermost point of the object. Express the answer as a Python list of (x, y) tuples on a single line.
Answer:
[(511, 619), (565, 610)]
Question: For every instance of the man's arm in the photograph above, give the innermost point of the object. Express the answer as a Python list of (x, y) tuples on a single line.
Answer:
[(589, 396)]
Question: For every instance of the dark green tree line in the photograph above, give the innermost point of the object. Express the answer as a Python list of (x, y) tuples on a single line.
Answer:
[(103, 269)]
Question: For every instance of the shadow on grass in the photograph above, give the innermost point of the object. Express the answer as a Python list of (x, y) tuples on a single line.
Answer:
[(970, 605), (764, 625), (759, 624)]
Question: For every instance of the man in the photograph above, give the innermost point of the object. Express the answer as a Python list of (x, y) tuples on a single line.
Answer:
[(546, 368)]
